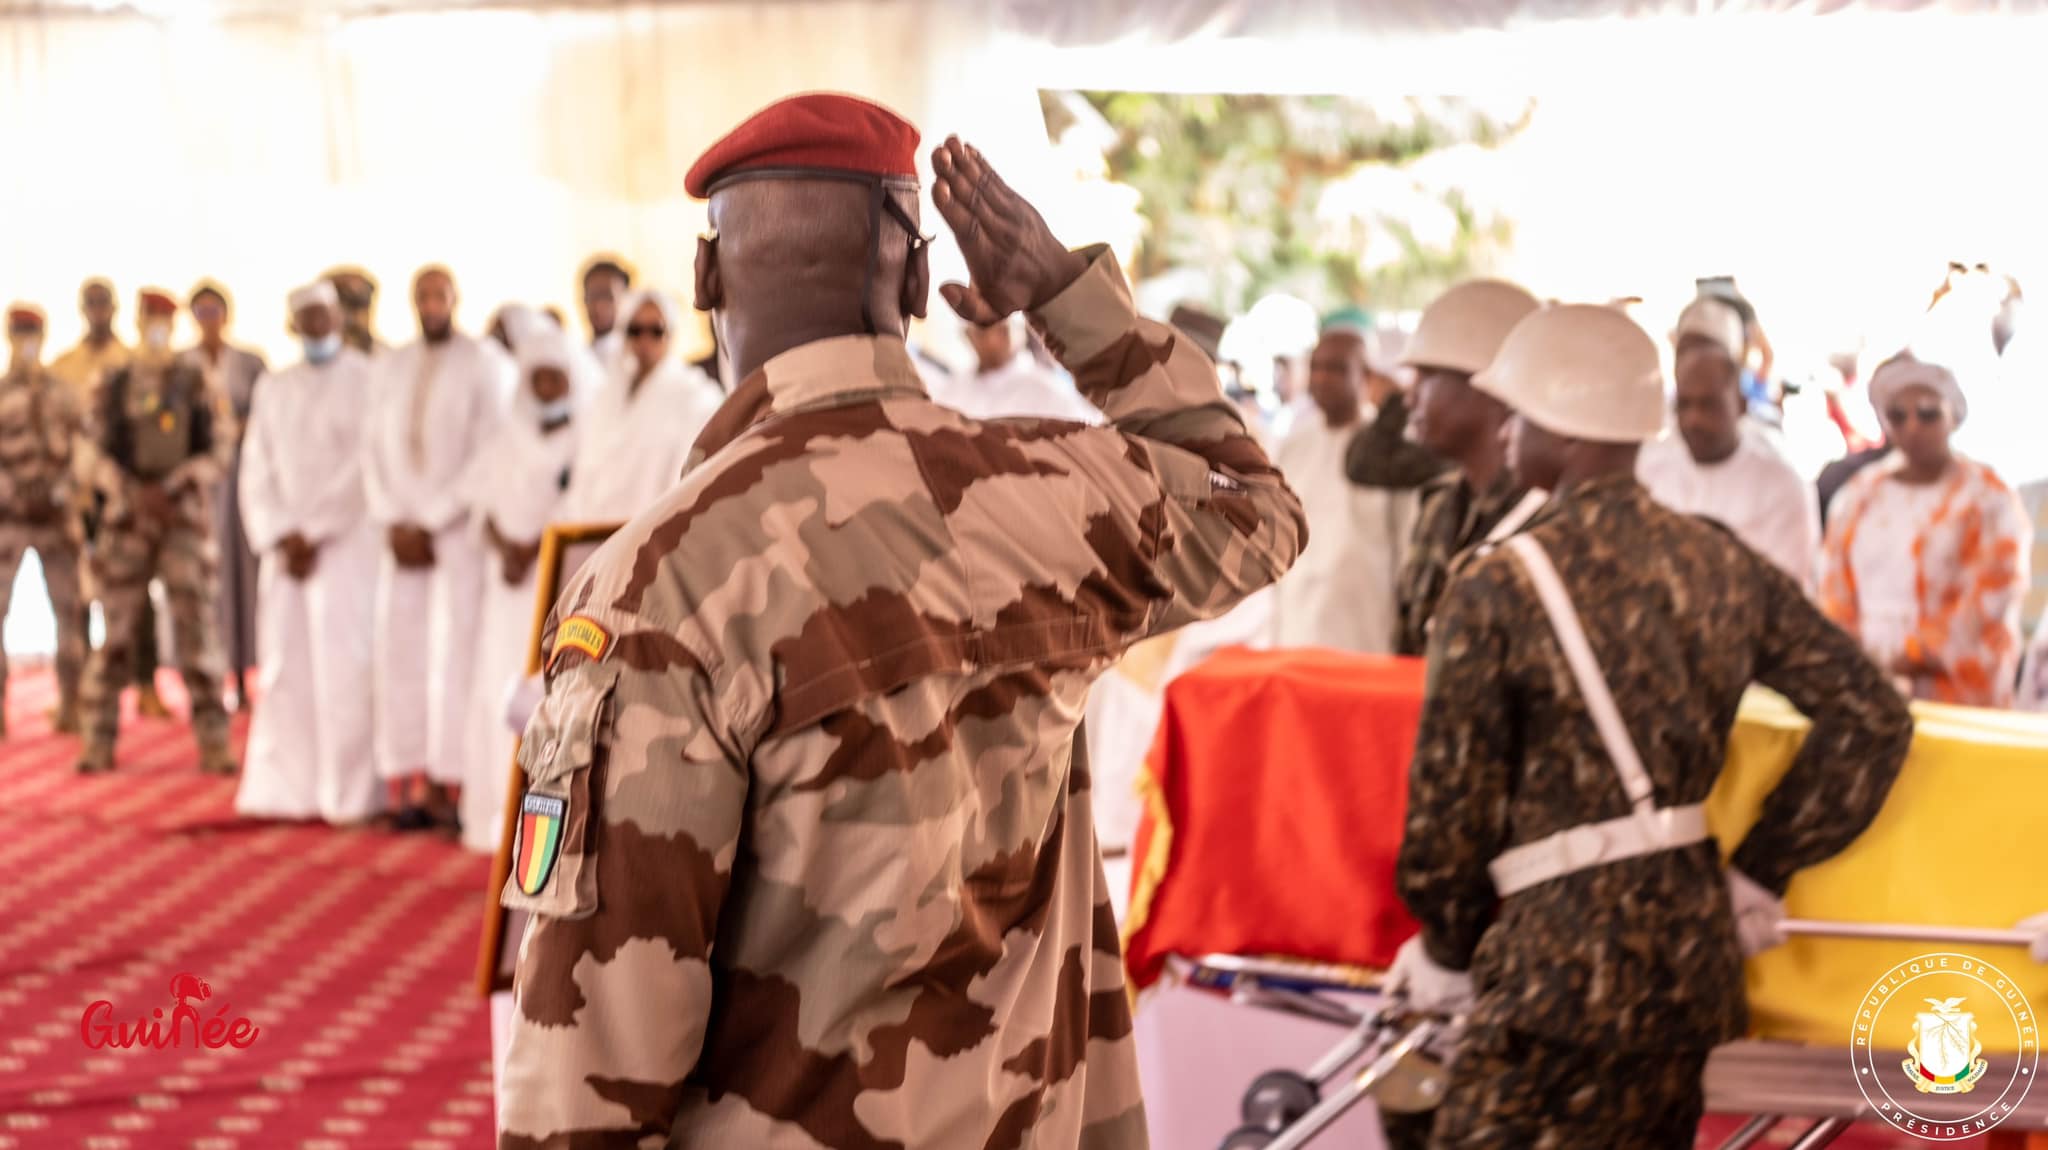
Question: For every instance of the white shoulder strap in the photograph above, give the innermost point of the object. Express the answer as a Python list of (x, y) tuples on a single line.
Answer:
[(1532, 501), (1564, 621)]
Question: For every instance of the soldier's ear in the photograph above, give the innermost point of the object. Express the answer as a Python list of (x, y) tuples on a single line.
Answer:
[(917, 281), (710, 289)]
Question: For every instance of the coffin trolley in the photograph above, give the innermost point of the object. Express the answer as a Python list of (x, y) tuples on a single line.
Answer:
[(1390, 1053)]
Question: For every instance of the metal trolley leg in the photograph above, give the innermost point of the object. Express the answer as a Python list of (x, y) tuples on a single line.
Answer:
[(1822, 1133), (1303, 1130), (1752, 1132)]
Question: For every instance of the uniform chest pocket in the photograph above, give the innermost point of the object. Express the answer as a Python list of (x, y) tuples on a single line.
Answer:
[(556, 839)]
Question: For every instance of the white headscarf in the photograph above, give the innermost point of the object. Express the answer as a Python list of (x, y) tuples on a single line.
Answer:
[(538, 343), (671, 319), (1904, 370)]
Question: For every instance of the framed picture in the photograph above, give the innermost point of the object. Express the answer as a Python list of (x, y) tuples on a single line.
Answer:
[(564, 549)]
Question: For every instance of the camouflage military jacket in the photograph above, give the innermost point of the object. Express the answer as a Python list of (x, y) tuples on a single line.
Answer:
[(807, 840), (39, 419), (1682, 617), (1454, 518), (161, 422)]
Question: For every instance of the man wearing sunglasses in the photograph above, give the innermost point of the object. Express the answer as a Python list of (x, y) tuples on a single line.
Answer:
[(808, 844)]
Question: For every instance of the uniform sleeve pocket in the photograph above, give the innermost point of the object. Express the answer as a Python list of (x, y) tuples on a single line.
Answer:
[(555, 839)]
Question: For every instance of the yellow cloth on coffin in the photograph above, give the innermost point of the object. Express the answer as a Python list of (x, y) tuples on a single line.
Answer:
[(1962, 841)]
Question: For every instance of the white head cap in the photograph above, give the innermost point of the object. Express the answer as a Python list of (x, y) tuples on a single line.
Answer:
[(1462, 331), (543, 345), (1716, 321), (521, 323), (319, 293), (1905, 370), (1581, 370)]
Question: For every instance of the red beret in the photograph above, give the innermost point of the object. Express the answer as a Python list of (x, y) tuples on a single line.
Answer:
[(156, 301), (815, 130), (24, 315)]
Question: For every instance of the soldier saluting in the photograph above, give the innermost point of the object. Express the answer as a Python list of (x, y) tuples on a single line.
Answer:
[(1583, 681), (807, 842)]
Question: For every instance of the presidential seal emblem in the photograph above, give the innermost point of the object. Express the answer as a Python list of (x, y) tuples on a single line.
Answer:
[(1942, 1056), (1970, 1040)]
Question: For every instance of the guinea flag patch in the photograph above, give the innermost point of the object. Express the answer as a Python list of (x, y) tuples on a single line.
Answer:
[(540, 840), (580, 633)]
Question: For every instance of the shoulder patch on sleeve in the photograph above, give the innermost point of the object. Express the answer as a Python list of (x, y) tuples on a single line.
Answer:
[(580, 633)]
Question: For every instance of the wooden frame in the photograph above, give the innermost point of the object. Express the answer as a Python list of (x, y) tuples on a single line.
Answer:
[(563, 549)]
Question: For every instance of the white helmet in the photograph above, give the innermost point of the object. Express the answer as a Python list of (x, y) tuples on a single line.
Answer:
[(1464, 328), (1582, 371)]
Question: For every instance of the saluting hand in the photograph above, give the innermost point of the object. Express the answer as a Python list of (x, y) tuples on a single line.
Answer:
[(1014, 261)]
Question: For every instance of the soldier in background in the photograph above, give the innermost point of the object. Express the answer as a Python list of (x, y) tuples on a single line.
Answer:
[(84, 369), (358, 292), (162, 440), (99, 354), (39, 422), (1584, 677), (1450, 448), (836, 882)]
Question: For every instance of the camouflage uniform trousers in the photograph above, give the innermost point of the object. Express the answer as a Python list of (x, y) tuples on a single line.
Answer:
[(125, 558), (59, 557), (1510, 1089)]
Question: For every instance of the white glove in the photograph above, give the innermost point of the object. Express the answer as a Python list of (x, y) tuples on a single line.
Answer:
[(1759, 914), (522, 699), (1430, 988), (2039, 925)]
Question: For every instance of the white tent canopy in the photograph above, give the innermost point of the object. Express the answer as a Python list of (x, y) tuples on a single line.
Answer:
[(260, 140)]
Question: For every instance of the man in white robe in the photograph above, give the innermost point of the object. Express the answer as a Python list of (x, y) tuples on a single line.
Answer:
[(1009, 383), (302, 507), (1341, 592), (606, 282), (434, 405), (1721, 466), (635, 435), (513, 491)]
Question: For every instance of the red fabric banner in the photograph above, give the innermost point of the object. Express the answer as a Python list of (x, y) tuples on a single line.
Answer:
[(1251, 746)]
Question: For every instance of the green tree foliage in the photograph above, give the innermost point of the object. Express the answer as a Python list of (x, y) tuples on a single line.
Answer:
[(1234, 188)]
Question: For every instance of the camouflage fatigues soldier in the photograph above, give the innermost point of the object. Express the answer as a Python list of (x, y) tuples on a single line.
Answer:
[(39, 419), (1584, 676), (163, 439), (1451, 449), (808, 842)]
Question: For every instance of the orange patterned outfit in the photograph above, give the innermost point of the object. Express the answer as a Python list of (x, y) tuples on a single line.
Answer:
[(1932, 573)]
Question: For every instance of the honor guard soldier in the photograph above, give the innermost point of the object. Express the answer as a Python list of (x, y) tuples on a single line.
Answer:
[(1583, 679), (163, 441), (808, 847)]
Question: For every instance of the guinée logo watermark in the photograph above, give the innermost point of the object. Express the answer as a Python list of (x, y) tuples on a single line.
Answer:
[(1971, 1041), (101, 1030)]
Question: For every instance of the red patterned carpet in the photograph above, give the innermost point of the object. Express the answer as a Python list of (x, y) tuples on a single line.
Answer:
[(349, 953)]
